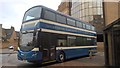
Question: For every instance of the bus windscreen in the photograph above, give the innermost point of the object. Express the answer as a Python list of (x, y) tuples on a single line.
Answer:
[(33, 13)]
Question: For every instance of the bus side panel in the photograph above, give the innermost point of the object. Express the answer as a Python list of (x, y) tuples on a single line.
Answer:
[(71, 53)]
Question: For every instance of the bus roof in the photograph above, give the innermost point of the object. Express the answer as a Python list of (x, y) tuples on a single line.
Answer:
[(59, 13)]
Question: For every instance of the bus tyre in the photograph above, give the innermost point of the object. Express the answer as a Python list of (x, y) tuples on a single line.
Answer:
[(61, 57)]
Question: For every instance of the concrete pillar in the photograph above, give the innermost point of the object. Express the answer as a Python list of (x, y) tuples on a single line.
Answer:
[(0, 35)]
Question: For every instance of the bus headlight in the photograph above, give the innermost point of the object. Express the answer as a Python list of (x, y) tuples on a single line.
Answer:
[(35, 49)]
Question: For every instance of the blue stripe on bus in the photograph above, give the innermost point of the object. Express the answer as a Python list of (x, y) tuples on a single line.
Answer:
[(58, 28), (65, 29), (71, 53), (30, 28)]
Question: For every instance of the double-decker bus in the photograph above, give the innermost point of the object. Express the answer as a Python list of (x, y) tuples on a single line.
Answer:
[(47, 35)]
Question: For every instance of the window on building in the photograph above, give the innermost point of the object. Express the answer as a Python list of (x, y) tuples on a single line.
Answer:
[(49, 15), (70, 21), (94, 4), (90, 11), (83, 12), (82, 6), (90, 17), (99, 3), (99, 11), (94, 11), (90, 4), (61, 19), (87, 12)]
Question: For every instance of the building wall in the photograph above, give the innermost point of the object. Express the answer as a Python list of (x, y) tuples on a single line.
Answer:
[(0, 35), (100, 46), (13, 40), (111, 12), (85, 10), (90, 11), (64, 7), (5, 44), (111, 18)]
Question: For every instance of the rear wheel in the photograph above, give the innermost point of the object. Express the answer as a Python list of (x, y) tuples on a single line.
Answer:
[(61, 57)]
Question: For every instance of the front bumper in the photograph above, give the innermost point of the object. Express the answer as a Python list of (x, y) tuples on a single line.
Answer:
[(29, 56)]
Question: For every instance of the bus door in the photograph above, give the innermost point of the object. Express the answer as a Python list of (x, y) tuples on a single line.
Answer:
[(52, 44), (48, 43)]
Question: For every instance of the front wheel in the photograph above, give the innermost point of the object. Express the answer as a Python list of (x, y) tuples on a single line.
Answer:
[(61, 57)]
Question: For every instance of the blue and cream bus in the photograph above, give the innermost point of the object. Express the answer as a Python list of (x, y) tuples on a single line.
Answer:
[(47, 35)]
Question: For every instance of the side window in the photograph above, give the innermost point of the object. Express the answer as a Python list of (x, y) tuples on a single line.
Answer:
[(84, 40), (83, 25), (71, 40), (78, 24), (70, 22), (49, 15), (93, 28), (61, 42), (61, 19), (79, 41), (88, 27)]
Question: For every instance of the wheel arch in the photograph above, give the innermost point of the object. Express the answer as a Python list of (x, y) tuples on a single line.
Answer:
[(60, 51)]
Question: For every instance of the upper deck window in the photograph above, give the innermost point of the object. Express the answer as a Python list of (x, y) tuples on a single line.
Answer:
[(84, 25), (70, 22), (49, 15), (79, 24), (93, 28), (88, 27), (32, 13), (61, 19)]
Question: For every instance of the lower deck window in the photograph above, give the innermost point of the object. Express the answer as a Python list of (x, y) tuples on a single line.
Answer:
[(71, 40), (61, 42)]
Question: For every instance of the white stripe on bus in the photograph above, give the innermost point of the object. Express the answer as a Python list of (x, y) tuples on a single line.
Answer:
[(60, 32), (59, 24), (62, 48), (31, 22), (34, 49), (28, 31)]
